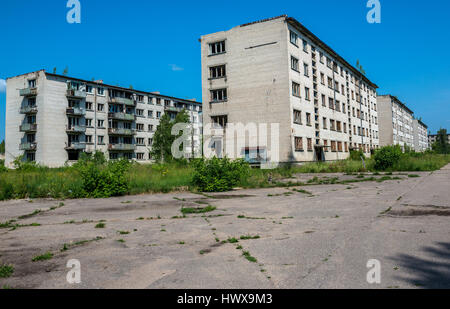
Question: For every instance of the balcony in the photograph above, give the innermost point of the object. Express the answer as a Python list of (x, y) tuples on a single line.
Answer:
[(121, 131), (75, 146), (119, 100), (28, 92), (28, 110), (76, 111), (122, 147), (28, 127), (173, 109), (122, 116), (75, 129), (77, 94), (28, 146)]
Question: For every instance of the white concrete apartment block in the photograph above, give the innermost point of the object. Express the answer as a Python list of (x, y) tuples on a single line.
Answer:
[(277, 71), (420, 136), (51, 118), (396, 122)]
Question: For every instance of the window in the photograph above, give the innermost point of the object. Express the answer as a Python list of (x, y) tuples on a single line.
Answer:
[(140, 98), (297, 117), (308, 119), (166, 102), (158, 101), (32, 83), (338, 126), (219, 95), (294, 37), (140, 127), (150, 128), (150, 141), (158, 115), (305, 46), (139, 156), (294, 64), (324, 103), (31, 156), (89, 89), (100, 107), (339, 144), (325, 143), (298, 144), (100, 140), (295, 89), (89, 123), (307, 97), (331, 103), (100, 123), (140, 141), (217, 71), (306, 69), (332, 125), (140, 112), (150, 100), (322, 78), (321, 57), (89, 106), (324, 123), (150, 114), (217, 48), (89, 139), (330, 83), (219, 121), (101, 91), (333, 146), (310, 144), (346, 146)]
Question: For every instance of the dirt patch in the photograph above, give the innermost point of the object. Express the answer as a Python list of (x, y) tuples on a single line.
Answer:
[(228, 196), (419, 211)]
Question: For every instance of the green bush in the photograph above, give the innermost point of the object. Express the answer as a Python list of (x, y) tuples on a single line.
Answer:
[(219, 175), (104, 180), (355, 155), (2, 166), (387, 157)]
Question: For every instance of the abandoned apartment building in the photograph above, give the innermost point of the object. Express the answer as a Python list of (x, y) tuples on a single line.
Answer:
[(277, 71), (51, 119)]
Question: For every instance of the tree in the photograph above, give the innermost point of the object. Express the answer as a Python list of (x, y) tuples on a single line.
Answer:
[(441, 145), (163, 138), (66, 71), (2, 147)]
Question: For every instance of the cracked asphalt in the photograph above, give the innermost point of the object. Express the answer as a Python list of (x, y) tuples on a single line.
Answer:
[(322, 238)]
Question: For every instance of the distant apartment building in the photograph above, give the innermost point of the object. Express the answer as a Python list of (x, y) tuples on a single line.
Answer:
[(420, 136), (432, 138), (276, 71), (396, 122), (51, 119)]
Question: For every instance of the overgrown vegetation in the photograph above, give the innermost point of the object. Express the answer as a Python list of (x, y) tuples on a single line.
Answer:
[(94, 177), (6, 270)]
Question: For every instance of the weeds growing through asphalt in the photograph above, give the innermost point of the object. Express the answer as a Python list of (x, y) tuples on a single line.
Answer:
[(6, 270), (43, 257)]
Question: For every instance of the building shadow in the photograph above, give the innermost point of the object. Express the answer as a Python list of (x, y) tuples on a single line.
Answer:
[(431, 272)]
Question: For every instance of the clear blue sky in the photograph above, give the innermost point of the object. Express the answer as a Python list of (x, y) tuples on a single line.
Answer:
[(153, 45)]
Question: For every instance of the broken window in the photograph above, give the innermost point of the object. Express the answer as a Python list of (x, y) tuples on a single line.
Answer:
[(218, 95), (217, 48), (217, 71)]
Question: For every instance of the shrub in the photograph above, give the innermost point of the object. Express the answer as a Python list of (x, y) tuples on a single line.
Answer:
[(104, 180), (2, 166), (219, 175), (387, 157), (356, 155)]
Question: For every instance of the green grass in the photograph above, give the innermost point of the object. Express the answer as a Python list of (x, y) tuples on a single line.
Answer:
[(43, 257), (248, 256), (198, 210), (100, 226), (62, 183), (247, 237), (6, 271)]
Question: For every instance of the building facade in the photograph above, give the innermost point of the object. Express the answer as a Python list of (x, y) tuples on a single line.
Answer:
[(420, 136), (432, 138), (275, 73), (51, 118), (396, 122)]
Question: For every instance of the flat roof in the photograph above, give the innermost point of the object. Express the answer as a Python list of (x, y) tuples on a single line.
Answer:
[(398, 102), (113, 87)]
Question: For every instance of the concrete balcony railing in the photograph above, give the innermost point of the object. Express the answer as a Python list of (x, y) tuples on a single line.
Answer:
[(75, 129), (126, 101), (75, 146), (28, 127), (78, 94), (76, 111), (122, 116), (173, 109), (121, 131), (28, 110), (28, 92), (122, 147), (28, 146)]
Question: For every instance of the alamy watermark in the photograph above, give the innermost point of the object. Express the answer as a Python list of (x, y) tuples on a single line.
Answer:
[(374, 15), (74, 14), (74, 275), (374, 274)]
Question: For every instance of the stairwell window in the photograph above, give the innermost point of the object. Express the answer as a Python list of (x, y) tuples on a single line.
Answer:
[(219, 95), (306, 69), (305, 46), (307, 95), (217, 48)]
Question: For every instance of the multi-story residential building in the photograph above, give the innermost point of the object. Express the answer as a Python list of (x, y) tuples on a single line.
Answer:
[(432, 138), (396, 122), (420, 136), (51, 118), (275, 71)]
